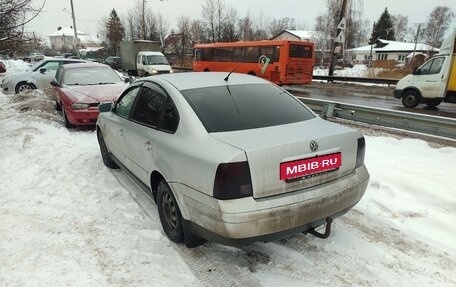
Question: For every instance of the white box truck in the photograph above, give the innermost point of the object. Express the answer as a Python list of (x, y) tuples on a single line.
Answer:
[(143, 58), (434, 82)]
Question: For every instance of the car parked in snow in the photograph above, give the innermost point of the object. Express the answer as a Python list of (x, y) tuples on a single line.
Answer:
[(232, 159), (2, 67), (79, 88), (35, 56), (114, 62), (39, 76)]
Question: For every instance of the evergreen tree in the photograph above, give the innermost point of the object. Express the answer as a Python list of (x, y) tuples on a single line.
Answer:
[(115, 32), (383, 28)]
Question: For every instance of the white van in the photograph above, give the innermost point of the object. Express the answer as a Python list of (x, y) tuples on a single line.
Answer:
[(152, 63)]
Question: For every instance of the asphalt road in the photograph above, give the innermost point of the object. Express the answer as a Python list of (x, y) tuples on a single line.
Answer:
[(386, 101)]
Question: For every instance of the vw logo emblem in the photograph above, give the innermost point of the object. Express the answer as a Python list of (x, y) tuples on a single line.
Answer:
[(313, 146)]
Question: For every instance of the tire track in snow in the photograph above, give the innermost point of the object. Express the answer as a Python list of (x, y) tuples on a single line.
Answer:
[(208, 262)]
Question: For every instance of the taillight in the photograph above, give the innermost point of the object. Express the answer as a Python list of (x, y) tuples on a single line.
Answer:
[(232, 180), (360, 152)]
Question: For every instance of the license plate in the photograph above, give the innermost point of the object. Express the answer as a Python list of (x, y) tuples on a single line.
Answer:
[(310, 166)]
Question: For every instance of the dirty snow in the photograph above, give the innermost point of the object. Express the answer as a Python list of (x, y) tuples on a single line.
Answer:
[(65, 219), (357, 71)]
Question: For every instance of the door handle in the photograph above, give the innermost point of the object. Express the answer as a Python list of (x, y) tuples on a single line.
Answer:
[(148, 145), (121, 131)]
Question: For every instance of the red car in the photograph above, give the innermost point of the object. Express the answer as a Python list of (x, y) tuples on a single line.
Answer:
[(2, 67), (79, 89)]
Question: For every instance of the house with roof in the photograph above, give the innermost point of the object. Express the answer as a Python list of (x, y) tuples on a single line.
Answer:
[(400, 52), (63, 40)]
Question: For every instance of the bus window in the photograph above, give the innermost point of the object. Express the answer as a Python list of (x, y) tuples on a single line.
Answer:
[(207, 54), (269, 51), (238, 54), (222, 54), (251, 55), (198, 54), (299, 51)]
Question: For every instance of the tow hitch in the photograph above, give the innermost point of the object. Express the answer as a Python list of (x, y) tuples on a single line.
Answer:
[(318, 234)]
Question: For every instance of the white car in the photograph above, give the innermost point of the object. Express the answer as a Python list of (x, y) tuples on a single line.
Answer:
[(36, 56), (232, 158), (39, 76)]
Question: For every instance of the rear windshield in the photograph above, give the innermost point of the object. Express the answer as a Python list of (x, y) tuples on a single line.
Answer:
[(241, 107), (300, 51)]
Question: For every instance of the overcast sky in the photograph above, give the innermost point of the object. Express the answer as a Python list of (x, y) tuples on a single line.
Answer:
[(90, 12)]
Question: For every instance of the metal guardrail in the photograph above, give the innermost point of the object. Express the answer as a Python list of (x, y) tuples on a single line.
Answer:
[(358, 80), (434, 125)]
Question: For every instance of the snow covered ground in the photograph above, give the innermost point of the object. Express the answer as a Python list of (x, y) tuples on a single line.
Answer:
[(358, 71), (65, 219)]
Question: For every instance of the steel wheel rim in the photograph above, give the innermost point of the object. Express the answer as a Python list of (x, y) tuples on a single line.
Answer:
[(24, 88), (409, 99), (169, 210)]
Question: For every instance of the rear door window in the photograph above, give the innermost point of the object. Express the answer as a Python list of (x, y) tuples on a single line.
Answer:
[(149, 107)]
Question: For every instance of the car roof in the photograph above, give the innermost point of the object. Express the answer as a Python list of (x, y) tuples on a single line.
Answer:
[(194, 80), (78, 65)]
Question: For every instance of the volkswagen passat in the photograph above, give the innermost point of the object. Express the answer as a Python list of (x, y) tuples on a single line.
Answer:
[(232, 159)]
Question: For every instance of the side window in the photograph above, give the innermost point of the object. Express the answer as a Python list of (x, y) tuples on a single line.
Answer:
[(170, 117), (425, 68), (436, 65), (123, 107), (51, 66), (138, 59), (149, 107)]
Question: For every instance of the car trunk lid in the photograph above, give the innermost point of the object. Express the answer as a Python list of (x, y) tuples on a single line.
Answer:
[(269, 148)]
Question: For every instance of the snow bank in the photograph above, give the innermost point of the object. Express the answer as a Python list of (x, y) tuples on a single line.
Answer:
[(16, 66)]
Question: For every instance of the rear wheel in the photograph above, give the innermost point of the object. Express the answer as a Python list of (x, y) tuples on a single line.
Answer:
[(105, 155), (432, 103), (170, 215), (57, 106), (411, 99)]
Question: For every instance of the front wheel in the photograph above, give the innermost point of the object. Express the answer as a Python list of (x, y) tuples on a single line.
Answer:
[(170, 215), (411, 99), (68, 125), (24, 86), (105, 155), (432, 103)]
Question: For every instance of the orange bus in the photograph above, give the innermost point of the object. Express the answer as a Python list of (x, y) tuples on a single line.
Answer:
[(282, 62)]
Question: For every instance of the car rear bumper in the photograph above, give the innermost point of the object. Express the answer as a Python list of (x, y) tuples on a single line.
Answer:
[(246, 220)]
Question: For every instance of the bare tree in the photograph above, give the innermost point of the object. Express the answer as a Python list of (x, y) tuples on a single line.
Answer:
[(278, 25), (246, 30), (162, 29), (213, 14), (229, 30), (400, 26), (438, 22), (183, 44), (14, 14)]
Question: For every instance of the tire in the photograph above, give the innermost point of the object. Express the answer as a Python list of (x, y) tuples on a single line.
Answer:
[(23, 86), (68, 125), (57, 106), (251, 73), (146, 74), (206, 70), (107, 160), (411, 99), (432, 103), (170, 215)]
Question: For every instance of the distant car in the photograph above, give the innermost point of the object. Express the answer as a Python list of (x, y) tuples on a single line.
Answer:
[(38, 77), (114, 62), (232, 158), (2, 67), (36, 56), (79, 88)]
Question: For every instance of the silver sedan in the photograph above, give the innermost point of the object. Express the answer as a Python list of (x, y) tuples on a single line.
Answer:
[(232, 158)]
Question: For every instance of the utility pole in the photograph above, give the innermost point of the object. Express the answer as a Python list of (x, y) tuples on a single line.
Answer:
[(372, 43), (333, 52), (143, 26), (416, 42), (76, 41)]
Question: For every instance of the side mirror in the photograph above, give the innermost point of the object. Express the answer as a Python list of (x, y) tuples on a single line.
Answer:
[(54, 83), (43, 70), (127, 80), (105, 107)]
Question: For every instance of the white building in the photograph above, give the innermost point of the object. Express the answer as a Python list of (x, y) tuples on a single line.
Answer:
[(388, 50), (63, 40)]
